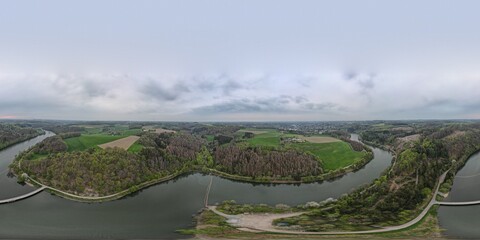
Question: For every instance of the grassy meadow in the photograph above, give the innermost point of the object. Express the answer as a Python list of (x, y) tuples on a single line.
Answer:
[(94, 137), (334, 155)]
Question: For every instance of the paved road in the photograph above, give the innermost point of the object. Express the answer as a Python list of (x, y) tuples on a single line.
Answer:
[(10, 200), (242, 222)]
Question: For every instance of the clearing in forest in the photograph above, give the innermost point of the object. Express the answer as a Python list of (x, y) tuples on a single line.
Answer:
[(124, 143), (320, 139), (334, 153)]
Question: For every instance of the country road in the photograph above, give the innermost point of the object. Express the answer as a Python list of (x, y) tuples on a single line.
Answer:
[(263, 222)]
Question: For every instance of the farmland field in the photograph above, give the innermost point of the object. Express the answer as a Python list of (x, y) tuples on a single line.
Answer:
[(320, 139), (124, 143), (265, 137), (135, 148), (334, 155), (333, 152), (86, 141)]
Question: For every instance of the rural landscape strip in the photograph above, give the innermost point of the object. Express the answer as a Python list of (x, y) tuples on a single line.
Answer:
[(201, 159), (270, 217)]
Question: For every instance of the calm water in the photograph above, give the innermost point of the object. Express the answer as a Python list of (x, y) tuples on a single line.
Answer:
[(155, 212), (463, 222)]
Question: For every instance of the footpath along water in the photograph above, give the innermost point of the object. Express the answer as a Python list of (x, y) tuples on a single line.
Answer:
[(155, 212)]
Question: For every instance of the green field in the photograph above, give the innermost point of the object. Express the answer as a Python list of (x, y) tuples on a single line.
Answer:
[(37, 156), (334, 155), (271, 137), (94, 135), (209, 138), (135, 148)]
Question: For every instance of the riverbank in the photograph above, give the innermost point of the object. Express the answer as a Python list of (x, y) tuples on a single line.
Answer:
[(265, 222), (308, 179), (110, 197), (17, 169), (176, 200), (20, 140), (213, 226), (141, 186)]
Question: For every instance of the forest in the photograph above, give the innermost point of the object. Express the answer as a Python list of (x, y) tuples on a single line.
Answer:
[(399, 194), (95, 172), (11, 134), (258, 162), (98, 172)]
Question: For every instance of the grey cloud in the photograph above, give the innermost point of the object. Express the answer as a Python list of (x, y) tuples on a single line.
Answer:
[(350, 75), (300, 99), (93, 90), (306, 81), (244, 106), (364, 81), (367, 82), (156, 91), (438, 102), (223, 83), (320, 106), (281, 104)]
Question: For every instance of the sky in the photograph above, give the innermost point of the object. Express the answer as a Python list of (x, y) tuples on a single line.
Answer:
[(239, 60)]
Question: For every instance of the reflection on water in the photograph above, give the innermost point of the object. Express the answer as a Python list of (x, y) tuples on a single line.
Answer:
[(156, 212), (8, 183), (463, 222)]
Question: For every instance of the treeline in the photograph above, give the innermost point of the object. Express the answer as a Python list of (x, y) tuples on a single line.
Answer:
[(345, 136), (356, 146), (99, 172), (392, 199), (11, 134), (69, 135), (397, 196), (256, 162), (215, 130), (59, 129), (91, 173), (53, 144)]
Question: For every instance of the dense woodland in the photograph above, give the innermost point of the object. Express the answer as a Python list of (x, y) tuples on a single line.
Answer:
[(103, 172), (54, 144), (11, 134), (257, 162), (398, 195), (164, 154), (59, 129)]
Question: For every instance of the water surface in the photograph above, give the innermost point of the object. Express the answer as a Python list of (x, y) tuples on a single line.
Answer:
[(463, 221), (155, 212)]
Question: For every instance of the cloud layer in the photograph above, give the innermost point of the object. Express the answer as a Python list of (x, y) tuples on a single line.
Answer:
[(223, 97), (234, 60)]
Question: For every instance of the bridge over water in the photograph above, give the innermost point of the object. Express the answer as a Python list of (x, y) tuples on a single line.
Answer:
[(466, 203), (27, 195)]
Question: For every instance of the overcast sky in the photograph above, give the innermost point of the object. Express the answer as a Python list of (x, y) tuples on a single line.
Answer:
[(239, 60)]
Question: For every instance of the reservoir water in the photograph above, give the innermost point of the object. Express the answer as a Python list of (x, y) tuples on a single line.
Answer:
[(154, 212), (463, 221)]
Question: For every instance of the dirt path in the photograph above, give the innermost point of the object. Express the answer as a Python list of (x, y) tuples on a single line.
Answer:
[(263, 222), (249, 222)]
